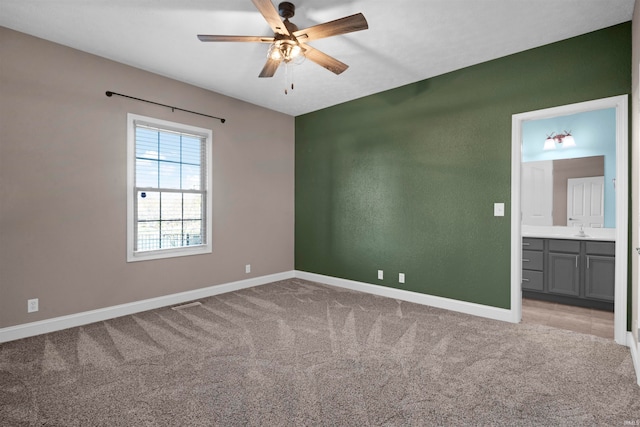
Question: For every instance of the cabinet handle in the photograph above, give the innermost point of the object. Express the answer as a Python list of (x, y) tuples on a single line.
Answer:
[(526, 260), (525, 280), (588, 262), (526, 244), (576, 261)]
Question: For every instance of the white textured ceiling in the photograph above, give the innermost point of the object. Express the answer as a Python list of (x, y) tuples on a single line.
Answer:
[(407, 40)]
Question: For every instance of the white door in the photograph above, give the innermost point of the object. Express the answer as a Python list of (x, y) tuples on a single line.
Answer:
[(537, 193), (585, 202)]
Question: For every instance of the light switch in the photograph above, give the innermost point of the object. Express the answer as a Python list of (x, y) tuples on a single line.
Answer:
[(498, 209)]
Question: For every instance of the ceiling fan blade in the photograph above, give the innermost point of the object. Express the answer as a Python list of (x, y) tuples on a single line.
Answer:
[(215, 38), (344, 25), (271, 15), (324, 60), (270, 67)]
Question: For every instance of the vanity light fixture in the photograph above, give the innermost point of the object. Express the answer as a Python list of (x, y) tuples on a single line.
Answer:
[(565, 139)]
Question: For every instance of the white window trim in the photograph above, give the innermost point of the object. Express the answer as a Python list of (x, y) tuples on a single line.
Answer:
[(133, 256)]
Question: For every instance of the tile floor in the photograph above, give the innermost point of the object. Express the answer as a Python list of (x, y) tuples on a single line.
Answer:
[(578, 319)]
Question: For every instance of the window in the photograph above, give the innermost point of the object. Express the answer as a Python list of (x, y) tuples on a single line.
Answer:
[(169, 182)]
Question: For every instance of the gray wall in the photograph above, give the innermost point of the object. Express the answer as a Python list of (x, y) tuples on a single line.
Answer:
[(63, 183)]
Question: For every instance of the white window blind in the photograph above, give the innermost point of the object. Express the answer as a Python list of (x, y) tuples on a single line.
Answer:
[(170, 206)]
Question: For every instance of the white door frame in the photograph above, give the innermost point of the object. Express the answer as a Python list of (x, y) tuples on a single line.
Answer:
[(620, 103)]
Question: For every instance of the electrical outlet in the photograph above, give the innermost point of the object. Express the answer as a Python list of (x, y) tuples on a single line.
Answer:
[(401, 277), (498, 209), (247, 268), (380, 275), (32, 305)]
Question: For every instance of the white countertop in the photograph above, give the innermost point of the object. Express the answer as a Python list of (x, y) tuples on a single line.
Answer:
[(572, 233)]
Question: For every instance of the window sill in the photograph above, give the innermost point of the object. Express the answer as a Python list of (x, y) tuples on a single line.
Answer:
[(168, 253)]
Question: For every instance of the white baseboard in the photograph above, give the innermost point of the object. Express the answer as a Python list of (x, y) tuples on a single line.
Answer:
[(12, 333), (418, 298), (633, 348), (446, 303), (63, 322)]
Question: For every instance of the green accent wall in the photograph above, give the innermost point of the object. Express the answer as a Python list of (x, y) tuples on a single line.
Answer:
[(405, 180)]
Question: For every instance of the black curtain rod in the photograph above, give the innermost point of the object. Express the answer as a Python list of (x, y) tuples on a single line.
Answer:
[(109, 94)]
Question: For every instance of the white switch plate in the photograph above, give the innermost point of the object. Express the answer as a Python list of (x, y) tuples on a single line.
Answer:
[(498, 209), (32, 305), (247, 268), (401, 277), (380, 275)]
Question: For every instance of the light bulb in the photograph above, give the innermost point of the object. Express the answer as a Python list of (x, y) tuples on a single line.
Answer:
[(549, 144), (294, 52), (274, 52), (568, 141)]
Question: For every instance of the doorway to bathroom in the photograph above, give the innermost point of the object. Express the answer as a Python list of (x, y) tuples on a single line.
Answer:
[(569, 216)]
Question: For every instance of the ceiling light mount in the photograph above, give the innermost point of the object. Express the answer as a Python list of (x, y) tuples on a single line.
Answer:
[(286, 9)]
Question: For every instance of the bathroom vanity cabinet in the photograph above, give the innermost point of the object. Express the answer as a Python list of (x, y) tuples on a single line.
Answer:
[(576, 272)]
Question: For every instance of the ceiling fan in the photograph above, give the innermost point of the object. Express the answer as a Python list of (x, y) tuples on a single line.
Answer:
[(289, 43)]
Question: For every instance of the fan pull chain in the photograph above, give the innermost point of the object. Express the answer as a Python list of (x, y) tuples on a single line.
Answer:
[(286, 90), (288, 75), (286, 78)]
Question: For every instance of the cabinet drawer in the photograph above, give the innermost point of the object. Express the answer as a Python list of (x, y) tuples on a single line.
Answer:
[(572, 246), (601, 248), (532, 260), (532, 244), (532, 280)]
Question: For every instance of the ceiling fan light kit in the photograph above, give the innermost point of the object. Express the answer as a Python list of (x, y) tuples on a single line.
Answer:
[(289, 44), (287, 51)]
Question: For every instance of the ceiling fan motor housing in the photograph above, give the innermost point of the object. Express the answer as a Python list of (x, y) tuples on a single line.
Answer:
[(286, 9)]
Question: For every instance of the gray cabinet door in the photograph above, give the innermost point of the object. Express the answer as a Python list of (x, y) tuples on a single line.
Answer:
[(564, 277), (600, 277)]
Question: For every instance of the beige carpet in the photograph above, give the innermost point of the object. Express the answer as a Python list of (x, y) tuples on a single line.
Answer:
[(300, 353)]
